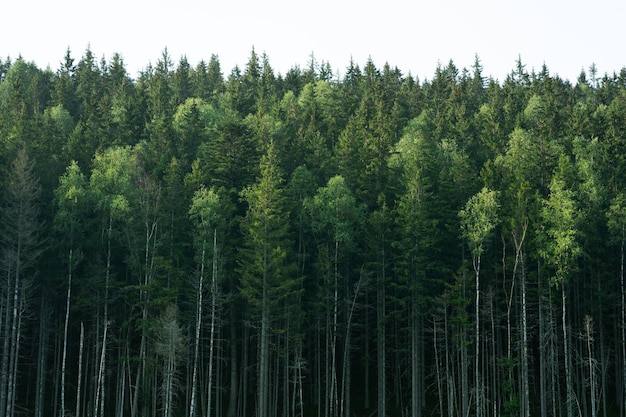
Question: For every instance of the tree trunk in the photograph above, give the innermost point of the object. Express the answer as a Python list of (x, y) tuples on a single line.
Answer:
[(232, 400), (623, 323), (79, 387), (382, 335), (477, 383), (194, 378), (41, 360), (569, 383), (65, 327), (214, 300), (344, 409), (14, 343)]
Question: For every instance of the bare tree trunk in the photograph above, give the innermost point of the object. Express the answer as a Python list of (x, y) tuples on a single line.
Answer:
[(4, 372), (366, 343), (13, 348), (214, 300), (199, 300), (525, 366), (65, 327), (264, 351), (99, 401), (344, 409), (591, 363), (569, 383), (232, 400), (543, 366), (120, 397), (438, 371), (41, 359), (102, 364), (79, 387), (381, 342), (623, 325), (477, 382)]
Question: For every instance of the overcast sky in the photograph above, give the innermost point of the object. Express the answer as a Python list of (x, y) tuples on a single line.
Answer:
[(414, 36)]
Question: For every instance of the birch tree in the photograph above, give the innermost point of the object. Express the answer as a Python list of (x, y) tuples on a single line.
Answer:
[(335, 219), (111, 183), (71, 197), (478, 219), (208, 214), (560, 250)]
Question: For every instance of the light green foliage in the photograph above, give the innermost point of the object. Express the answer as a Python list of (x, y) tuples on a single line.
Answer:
[(616, 217), (560, 215), (479, 219), (205, 209), (72, 200), (335, 213), (112, 180)]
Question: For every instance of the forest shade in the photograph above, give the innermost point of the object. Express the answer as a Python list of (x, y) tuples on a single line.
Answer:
[(190, 243)]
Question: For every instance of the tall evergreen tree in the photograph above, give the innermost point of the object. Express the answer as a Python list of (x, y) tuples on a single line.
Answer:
[(267, 276)]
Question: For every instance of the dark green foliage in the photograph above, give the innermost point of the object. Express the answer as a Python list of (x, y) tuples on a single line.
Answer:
[(349, 208)]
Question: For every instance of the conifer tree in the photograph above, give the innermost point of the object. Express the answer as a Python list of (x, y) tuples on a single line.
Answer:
[(267, 276), (21, 246)]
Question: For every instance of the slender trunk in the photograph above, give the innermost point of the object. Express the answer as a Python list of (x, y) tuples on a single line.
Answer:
[(13, 348), (263, 382), (99, 402), (623, 324), (13, 377), (415, 359), (478, 388), (464, 364), (244, 372), (591, 365), (438, 372), (333, 400), (381, 345), (6, 346), (121, 384), (569, 383), (214, 301), (450, 383), (101, 369), (543, 365), (520, 264), (232, 400), (65, 327), (495, 401), (194, 379), (345, 400), (525, 370), (80, 369), (366, 343), (41, 360)]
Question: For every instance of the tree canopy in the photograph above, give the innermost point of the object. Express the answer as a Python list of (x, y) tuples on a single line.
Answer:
[(200, 242)]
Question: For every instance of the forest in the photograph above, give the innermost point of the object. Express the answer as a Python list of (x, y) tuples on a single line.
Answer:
[(191, 242)]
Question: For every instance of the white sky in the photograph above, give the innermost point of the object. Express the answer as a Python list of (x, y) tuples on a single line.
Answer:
[(412, 35)]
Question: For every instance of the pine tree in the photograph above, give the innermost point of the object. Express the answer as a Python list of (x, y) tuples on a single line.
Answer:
[(21, 246), (267, 276)]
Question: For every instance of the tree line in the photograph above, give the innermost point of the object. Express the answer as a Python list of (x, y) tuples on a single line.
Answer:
[(188, 243)]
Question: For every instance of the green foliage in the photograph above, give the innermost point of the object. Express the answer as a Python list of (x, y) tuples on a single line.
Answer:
[(265, 264), (112, 181), (335, 212), (303, 179), (479, 219), (560, 218)]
